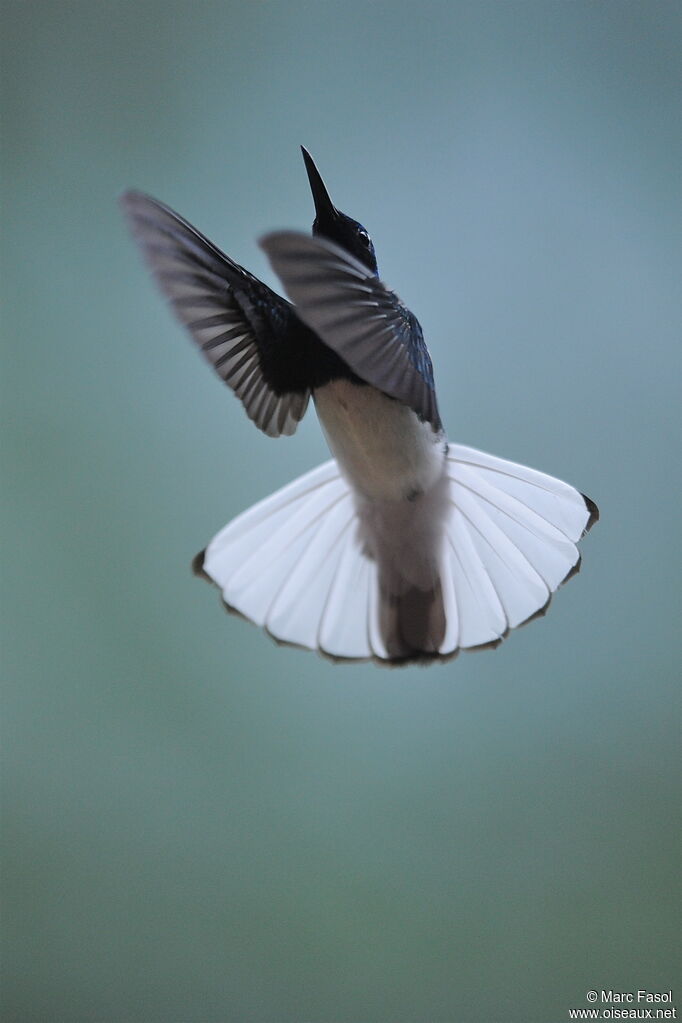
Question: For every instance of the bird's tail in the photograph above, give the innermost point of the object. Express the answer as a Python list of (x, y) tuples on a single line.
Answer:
[(308, 566)]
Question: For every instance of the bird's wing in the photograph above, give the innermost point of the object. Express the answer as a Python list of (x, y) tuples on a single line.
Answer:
[(243, 328), (357, 316)]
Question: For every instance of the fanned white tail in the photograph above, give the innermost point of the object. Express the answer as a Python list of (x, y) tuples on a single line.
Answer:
[(308, 565)]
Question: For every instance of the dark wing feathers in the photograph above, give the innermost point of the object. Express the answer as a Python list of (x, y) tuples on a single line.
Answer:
[(246, 331), (357, 316)]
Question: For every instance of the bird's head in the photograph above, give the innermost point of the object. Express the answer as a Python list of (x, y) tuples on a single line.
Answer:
[(333, 224)]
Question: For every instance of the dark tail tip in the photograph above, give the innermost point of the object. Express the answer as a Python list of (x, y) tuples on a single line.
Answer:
[(594, 513), (573, 571), (198, 566)]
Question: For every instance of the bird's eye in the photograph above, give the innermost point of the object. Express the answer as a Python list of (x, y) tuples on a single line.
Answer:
[(365, 239)]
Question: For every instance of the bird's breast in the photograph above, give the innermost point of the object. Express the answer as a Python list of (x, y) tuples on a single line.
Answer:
[(385, 451)]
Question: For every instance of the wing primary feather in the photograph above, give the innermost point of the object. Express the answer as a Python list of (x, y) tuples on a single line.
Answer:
[(262, 339), (322, 279)]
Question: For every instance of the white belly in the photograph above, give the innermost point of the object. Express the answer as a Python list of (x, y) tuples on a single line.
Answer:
[(382, 447)]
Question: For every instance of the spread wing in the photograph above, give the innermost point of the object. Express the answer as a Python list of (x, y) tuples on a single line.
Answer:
[(249, 334), (357, 316)]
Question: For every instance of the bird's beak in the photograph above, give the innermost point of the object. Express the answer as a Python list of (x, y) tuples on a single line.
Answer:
[(324, 207)]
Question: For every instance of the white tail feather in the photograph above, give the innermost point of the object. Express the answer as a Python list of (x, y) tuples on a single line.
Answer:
[(303, 564)]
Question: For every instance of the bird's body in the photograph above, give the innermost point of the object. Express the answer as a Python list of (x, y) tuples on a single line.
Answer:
[(403, 547), (385, 452)]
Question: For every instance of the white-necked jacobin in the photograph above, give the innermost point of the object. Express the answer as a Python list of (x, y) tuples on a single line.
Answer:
[(404, 547)]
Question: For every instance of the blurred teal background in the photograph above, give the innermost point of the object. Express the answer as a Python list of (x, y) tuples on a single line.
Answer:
[(199, 826)]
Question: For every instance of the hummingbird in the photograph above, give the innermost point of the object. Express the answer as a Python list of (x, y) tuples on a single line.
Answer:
[(404, 547)]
